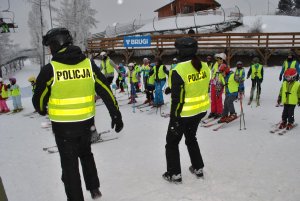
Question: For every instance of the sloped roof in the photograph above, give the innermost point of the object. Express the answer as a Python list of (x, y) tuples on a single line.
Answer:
[(217, 4)]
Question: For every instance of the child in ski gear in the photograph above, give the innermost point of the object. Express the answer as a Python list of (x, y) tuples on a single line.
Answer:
[(132, 74), (160, 71), (190, 101), (256, 71), (150, 87), (32, 81), (216, 87), (71, 109), (240, 76), (290, 62), (15, 95), (137, 85), (107, 66), (289, 95), (145, 69), (173, 65), (3, 97), (121, 77), (231, 86)]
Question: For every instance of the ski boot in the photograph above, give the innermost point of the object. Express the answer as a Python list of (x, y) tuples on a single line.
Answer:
[(231, 117), (211, 115), (223, 119), (289, 126), (282, 125), (95, 193), (172, 178), (198, 173), (217, 116)]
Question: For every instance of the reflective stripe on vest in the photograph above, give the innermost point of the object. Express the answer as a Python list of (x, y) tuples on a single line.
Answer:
[(196, 83), (290, 97), (161, 73), (286, 65), (107, 67), (256, 71), (72, 92)]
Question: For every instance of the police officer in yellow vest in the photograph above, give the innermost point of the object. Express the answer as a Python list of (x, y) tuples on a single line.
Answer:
[(290, 62), (190, 101), (256, 71), (107, 66), (67, 86)]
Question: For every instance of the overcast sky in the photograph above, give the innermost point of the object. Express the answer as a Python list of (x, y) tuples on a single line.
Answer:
[(112, 11)]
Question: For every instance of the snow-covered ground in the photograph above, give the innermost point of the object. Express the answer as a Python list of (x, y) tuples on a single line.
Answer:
[(247, 165)]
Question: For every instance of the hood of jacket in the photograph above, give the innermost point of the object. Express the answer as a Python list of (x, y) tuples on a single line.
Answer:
[(70, 55)]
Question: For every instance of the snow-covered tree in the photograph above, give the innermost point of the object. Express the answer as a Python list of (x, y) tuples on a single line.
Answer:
[(297, 4), (285, 6), (8, 49), (297, 8), (37, 26), (78, 17)]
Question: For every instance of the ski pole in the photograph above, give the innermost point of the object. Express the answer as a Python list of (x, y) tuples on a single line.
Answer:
[(242, 114)]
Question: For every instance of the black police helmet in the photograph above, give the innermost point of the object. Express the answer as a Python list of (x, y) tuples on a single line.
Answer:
[(186, 46), (57, 38)]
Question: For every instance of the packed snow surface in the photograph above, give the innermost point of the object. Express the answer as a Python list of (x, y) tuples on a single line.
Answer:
[(240, 165)]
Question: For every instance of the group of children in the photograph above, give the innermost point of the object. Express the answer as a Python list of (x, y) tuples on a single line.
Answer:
[(232, 83), (10, 90), (154, 79)]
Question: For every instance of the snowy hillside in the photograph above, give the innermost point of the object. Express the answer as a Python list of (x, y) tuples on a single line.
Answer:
[(247, 165), (269, 23)]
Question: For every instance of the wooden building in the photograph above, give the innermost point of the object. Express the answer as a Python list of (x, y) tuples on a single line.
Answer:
[(186, 6)]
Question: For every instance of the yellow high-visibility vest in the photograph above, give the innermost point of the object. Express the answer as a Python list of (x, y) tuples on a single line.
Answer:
[(72, 92), (196, 99)]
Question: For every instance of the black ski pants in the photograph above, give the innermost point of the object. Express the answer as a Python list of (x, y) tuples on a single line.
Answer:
[(70, 150), (229, 105), (256, 83), (188, 127), (149, 92), (288, 113)]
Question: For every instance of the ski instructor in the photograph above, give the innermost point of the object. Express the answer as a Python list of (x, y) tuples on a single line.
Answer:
[(190, 101), (65, 89)]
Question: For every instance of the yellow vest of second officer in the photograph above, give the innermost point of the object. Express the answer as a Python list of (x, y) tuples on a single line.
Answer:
[(196, 99)]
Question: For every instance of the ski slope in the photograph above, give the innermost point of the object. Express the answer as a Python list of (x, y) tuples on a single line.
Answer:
[(247, 165)]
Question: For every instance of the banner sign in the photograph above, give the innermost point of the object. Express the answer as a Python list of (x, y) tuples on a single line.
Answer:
[(137, 41)]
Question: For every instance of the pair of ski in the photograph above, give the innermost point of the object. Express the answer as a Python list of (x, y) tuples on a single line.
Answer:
[(220, 125), (53, 149), (279, 131)]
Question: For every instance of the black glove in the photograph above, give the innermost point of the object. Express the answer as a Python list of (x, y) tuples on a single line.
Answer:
[(280, 77), (116, 120), (167, 90), (174, 125), (279, 100)]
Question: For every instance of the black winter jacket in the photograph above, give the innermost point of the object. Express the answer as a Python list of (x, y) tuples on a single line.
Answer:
[(71, 55)]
